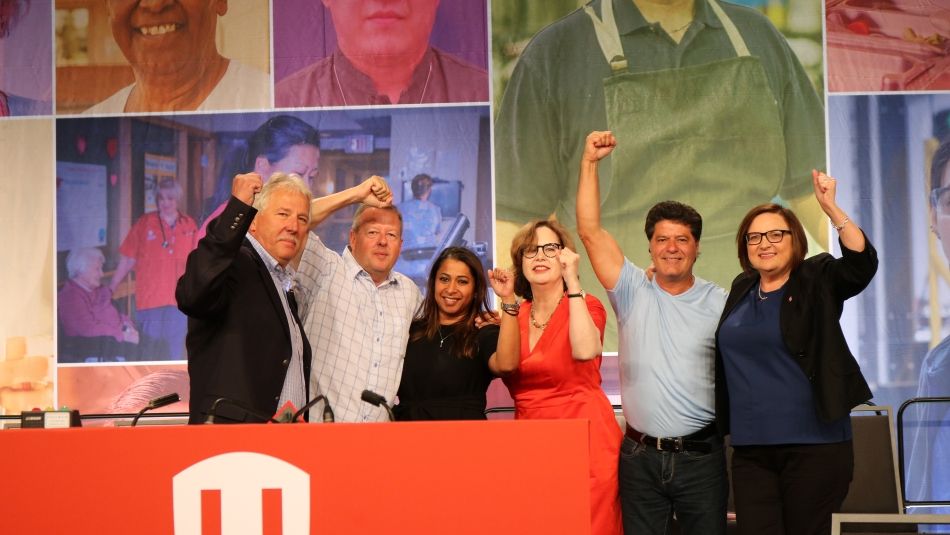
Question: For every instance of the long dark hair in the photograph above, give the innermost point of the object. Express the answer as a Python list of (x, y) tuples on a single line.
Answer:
[(425, 326), (272, 140)]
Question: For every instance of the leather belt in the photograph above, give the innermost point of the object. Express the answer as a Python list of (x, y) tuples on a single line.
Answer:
[(692, 442)]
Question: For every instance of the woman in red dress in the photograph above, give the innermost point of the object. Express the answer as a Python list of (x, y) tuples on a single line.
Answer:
[(561, 335)]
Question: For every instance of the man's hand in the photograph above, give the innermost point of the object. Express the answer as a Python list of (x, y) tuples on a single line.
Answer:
[(375, 192), (245, 187), (486, 319), (650, 271), (598, 145)]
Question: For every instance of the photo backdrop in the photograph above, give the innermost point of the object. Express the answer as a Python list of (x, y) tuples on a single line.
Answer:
[(83, 182)]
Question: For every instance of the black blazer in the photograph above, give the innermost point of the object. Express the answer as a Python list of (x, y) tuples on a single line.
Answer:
[(238, 341), (809, 315)]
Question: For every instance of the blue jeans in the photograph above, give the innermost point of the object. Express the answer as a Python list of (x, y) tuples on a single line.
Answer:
[(654, 484)]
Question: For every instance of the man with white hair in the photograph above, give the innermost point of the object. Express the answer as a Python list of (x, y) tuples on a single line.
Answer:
[(247, 352)]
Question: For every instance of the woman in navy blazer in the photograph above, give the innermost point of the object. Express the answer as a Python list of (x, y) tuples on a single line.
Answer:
[(785, 378)]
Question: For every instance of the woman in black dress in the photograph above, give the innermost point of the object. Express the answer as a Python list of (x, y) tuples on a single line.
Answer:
[(449, 360)]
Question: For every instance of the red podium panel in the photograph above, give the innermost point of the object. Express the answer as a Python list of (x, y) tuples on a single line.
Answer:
[(481, 478)]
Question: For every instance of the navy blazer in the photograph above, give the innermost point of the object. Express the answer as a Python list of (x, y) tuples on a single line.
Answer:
[(239, 344), (810, 324)]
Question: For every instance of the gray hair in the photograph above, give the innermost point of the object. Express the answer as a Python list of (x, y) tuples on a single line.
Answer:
[(284, 182), (79, 260)]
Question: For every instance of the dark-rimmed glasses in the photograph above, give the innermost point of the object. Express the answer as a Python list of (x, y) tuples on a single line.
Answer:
[(550, 250), (774, 236)]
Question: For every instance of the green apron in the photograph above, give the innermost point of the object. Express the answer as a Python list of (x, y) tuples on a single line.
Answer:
[(708, 135)]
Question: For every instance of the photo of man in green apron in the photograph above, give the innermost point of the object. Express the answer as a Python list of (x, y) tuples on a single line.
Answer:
[(710, 106)]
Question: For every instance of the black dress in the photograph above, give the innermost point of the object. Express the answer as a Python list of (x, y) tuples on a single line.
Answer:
[(437, 385)]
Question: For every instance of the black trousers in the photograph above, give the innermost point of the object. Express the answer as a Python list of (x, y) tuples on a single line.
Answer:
[(790, 489)]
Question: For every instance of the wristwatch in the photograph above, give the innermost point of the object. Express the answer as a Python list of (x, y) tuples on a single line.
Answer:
[(580, 294)]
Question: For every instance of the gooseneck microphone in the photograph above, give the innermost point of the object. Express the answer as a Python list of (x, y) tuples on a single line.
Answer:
[(327, 411), (375, 399), (213, 411), (156, 403)]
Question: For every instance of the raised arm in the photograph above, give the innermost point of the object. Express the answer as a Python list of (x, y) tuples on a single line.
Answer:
[(584, 334), (373, 191), (203, 289), (604, 252), (507, 355), (849, 231)]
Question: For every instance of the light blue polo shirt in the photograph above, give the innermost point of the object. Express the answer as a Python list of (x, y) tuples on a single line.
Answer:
[(667, 353)]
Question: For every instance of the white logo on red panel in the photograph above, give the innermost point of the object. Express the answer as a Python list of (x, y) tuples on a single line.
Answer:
[(241, 477)]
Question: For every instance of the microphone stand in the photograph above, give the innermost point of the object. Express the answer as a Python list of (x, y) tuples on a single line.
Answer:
[(328, 417), (214, 410), (375, 399), (156, 403)]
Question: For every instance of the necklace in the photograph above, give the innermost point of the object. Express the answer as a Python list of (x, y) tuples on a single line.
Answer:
[(759, 288), (683, 27), (425, 86), (442, 339), (541, 326)]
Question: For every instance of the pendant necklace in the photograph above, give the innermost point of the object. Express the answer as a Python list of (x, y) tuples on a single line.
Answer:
[(442, 339), (541, 326)]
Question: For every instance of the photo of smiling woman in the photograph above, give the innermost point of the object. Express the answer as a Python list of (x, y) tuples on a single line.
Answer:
[(449, 360), (786, 380)]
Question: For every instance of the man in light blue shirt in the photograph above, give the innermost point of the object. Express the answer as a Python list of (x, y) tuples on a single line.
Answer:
[(672, 459)]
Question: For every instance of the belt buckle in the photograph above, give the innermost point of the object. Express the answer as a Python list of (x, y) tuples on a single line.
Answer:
[(674, 445)]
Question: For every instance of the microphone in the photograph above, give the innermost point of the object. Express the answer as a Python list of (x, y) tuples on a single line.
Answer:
[(156, 403), (327, 411), (213, 412), (375, 399)]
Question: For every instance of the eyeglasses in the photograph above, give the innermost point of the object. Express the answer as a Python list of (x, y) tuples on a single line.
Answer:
[(774, 236), (550, 250), (940, 200)]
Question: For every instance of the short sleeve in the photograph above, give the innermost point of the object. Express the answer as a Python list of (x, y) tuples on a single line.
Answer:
[(621, 296), (597, 313), (133, 240), (487, 342)]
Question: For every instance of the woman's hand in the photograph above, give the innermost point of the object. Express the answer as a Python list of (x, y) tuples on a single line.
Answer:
[(826, 189), (502, 282), (570, 261)]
